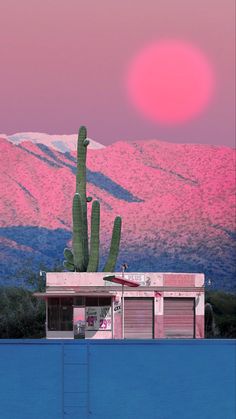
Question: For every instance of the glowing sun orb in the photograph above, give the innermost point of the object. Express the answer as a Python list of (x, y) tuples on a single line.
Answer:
[(170, 82)]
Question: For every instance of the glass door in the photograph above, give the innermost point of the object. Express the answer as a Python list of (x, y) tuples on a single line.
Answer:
[(79, 322)]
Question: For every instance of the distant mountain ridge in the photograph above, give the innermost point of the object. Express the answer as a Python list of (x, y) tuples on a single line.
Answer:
[(63, 143), (177, 202)]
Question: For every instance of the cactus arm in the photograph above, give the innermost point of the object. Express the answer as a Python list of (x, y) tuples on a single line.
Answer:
[(81, 188), (69, 260), (69, 256), (77, 241), (86, 142), (94, 238), (69, 266), (114, 248)]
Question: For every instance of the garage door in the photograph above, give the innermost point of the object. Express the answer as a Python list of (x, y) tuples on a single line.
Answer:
[(179, 317), (138, 318)]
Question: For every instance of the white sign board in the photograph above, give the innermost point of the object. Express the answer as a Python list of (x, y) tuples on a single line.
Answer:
[(117, 306), (142, 279), (98, 318)]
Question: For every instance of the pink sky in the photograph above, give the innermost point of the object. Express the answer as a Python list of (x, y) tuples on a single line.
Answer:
[(63, 65)]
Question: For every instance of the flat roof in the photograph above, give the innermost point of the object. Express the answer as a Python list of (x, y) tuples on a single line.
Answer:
[(100, 292)]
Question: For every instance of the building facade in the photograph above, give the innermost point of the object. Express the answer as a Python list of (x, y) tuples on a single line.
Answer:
[(90, 306)]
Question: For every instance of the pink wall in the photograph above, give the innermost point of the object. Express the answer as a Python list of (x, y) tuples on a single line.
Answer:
[(200, 326), (146, 279)]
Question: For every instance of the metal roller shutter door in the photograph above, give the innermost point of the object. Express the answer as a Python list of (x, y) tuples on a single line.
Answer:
[(138, 318), (179, 317)]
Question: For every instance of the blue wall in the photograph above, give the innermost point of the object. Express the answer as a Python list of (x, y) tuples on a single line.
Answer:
[(162, 379)]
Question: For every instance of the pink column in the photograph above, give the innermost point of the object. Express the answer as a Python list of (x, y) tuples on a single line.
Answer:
[(158, 316), (199, 327), (117, 326), (158, 327)]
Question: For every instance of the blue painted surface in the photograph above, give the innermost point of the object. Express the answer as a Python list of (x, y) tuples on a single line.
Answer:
[(30, 381), (162, 379)]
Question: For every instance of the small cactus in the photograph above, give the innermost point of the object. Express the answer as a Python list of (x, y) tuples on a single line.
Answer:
[(209, 321), (81, 258)]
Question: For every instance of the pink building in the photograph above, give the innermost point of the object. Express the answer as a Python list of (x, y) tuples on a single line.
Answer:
[(161, 305)]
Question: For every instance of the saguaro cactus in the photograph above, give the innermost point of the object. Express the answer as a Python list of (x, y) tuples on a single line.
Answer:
[(81, 258)]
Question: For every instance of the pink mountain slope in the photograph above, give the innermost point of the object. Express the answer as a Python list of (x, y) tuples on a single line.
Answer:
[(174, 199)]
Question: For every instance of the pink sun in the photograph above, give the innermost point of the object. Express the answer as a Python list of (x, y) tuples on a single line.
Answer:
[(170, 82)]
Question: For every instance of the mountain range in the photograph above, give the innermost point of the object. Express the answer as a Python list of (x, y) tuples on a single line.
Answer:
[(61, 143), (177, 203)]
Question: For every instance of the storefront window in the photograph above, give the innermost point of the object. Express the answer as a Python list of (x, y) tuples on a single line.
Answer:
[(91, 301), (60, 313), (79, 301), (98, 301), (66, 314), (53, 313), (98, 313)]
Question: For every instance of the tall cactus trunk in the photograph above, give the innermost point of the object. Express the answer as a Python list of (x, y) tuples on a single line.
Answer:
[(94, 238), (77, 242), (81, 188)]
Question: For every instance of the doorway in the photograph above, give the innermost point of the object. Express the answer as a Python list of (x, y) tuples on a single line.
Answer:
[(179, 318), (79, 322), (138, 318)]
